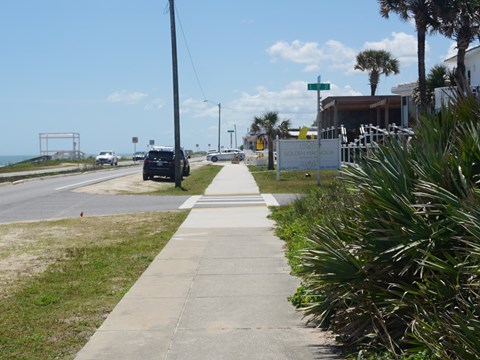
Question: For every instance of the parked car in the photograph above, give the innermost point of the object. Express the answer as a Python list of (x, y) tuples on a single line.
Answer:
[(225, 154), (160, 161), (106, 157), (138, 156)]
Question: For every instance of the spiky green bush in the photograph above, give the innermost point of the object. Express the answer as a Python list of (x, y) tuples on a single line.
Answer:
[(401, 270), (296, 221)]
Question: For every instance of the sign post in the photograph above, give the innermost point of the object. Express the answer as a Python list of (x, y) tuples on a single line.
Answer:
[(134, 141), (319, 86)]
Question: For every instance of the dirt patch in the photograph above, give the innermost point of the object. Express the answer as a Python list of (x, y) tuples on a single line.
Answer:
[(131, 184), (134, 184), (28, 248)]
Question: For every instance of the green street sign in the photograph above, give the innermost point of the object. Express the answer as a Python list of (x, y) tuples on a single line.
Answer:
[(319, 86)]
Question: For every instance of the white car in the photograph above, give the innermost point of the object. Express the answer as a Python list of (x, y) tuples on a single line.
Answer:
[(225, 154), (106, 157)]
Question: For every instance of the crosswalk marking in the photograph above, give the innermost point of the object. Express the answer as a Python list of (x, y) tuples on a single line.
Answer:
[(230, 200)]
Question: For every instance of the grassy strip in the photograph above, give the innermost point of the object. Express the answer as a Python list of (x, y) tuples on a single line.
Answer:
[(195, 184), (4, 179), (295, 221), (47, 164), (291, 182), (52, 314)]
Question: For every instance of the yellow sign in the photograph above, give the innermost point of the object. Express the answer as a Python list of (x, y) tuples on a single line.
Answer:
[(302, 134), (259, 144)]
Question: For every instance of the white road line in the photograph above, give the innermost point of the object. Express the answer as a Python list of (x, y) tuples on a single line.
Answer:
[(229, 202), (89, 181), (190, 202), (270, 200)]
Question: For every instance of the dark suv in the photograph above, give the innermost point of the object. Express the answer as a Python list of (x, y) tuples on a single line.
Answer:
[(160, 161)]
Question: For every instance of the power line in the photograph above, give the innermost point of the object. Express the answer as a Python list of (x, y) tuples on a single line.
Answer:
[(189, 54)]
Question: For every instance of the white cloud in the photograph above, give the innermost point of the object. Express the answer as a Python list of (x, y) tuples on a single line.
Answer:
[(312, 55), (292, 102), (337, 56), (293, 98), (451, 52), (126, 97), (342, 58), (401, 45), (155, 104)]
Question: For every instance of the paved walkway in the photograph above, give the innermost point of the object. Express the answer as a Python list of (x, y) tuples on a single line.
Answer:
[(218, 290)]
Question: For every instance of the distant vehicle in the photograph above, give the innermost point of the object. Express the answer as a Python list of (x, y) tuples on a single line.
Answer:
[(160, 161), (138, 156), (225, 154), (106, 157)]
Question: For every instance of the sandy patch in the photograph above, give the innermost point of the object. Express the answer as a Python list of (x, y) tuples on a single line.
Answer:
[(131, 184), (134, 184), (28, 248)]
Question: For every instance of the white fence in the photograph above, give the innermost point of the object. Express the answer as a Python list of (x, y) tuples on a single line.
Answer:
[(370, 137)]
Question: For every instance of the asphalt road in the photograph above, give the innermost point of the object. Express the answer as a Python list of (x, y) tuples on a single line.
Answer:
[(52, 198)]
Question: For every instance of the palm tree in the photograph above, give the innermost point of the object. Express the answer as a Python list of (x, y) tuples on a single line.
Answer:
[(438, 76), (460, 20), (376, 63), (268, 126), (421, 11)]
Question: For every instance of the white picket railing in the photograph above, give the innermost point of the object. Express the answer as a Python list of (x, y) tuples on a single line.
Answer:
[(370, 136)]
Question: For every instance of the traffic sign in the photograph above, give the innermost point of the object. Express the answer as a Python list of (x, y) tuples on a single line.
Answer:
[(230, 131), (319, 86)]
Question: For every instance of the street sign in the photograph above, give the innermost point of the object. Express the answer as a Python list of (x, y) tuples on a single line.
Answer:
[(319, 86), (230, 131)]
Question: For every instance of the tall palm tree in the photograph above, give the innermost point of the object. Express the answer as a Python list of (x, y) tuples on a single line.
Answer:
[(422, 12), (268, 126), (376, 63), (460, 20)]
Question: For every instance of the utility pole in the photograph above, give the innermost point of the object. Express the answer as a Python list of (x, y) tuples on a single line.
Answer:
[(219, 123), (235, 129), (176, 107)]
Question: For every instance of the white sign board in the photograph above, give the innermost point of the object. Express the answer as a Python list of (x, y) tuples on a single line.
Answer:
[(303, 155)]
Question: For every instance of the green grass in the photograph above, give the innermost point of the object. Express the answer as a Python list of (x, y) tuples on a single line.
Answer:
[(51, 315), (48, 164), (88, 265), (291, 182), (74, 166), (195, 184)]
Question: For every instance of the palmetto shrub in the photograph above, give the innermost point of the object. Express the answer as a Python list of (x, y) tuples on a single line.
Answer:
[(400, 267), (295, 222)]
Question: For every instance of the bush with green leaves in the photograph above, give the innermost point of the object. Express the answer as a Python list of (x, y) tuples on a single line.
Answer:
[(399, 269), (296, 222)]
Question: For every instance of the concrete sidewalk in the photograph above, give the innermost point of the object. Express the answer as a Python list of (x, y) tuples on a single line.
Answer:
[(218, 290)]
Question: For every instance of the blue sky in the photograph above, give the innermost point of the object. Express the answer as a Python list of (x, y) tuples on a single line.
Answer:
[(103, 68)]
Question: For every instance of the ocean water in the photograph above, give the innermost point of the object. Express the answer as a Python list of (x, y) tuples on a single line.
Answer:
[(12, 159)]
